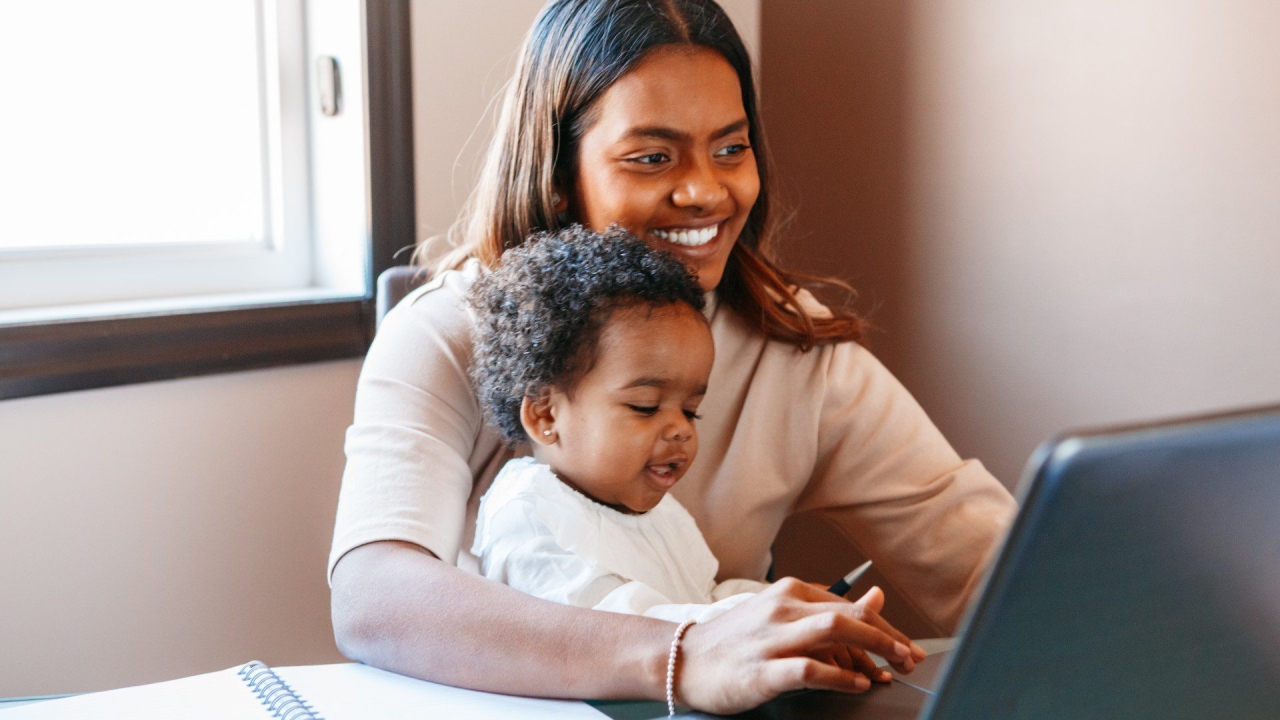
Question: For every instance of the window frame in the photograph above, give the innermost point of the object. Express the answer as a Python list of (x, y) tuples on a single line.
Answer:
[(81, 354)]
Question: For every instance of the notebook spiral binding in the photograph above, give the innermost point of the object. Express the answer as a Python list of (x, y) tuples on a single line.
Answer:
[(280, 699)]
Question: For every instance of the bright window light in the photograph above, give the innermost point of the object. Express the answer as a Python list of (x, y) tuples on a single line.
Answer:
[(149, 113), (158, 151)]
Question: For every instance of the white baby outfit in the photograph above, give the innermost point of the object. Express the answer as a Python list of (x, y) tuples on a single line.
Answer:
[(538, 535)]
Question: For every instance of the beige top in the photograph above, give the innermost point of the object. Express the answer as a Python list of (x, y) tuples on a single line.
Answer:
[(783, 431)]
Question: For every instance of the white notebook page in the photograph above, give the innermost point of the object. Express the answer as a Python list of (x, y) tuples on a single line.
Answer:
[(356, 692), (212, 696), (336, 692)]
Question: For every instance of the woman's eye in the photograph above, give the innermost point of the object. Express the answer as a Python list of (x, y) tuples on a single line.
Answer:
[(733, 150), (644, 409)]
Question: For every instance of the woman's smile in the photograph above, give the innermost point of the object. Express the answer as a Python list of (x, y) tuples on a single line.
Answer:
[(694, 243), (688, 236)]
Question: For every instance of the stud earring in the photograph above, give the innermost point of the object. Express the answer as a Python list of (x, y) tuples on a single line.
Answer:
[(555, 198), (546, 433)]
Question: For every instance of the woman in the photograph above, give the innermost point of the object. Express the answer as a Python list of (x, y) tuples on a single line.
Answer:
[(643, 114)]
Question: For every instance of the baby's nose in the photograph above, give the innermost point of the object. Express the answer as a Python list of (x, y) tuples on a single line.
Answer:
[(681, 431)]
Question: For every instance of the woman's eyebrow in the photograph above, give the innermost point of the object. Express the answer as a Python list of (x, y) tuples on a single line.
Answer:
[(665, 133), (730, 129)]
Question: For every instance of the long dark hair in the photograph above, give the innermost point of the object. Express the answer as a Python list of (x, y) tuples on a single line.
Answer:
[(574, 52)]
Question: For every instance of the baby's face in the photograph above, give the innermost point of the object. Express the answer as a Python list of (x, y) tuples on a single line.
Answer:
[(627, 435)]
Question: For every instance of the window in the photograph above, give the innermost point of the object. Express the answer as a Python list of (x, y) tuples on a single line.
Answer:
[(196, 187)]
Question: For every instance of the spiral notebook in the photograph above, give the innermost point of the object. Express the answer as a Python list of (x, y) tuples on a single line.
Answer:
[(313, 692)]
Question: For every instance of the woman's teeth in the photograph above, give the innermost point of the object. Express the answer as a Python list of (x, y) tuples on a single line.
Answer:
[(690, 237)]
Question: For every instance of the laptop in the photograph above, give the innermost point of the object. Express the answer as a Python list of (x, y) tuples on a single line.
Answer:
[(1141, 579)]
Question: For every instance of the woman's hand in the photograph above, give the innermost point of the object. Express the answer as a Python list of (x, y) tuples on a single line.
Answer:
[(852, 658), (771, 643)]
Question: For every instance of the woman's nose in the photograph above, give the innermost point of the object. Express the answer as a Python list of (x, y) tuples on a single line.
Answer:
[(699, 187)]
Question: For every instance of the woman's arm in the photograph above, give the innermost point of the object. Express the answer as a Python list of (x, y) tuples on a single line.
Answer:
[(397, 607), (895, 488)]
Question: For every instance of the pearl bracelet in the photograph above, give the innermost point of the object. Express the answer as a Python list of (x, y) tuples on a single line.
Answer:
[(671, 666)]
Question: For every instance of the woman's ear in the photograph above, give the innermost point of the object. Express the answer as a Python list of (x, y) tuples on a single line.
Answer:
[(559, 200), (537, 415)]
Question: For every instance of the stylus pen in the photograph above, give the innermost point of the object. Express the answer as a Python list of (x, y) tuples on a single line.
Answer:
[(845, 584)]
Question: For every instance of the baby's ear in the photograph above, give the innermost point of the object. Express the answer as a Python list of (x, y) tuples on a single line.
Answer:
[(537, 415)]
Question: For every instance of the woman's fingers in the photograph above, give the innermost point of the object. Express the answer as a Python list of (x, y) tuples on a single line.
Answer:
[(799, 673), (865, 665), (851, 658), (873, 601), (837, 626), (843, 657), (792, 635), (868, 609)]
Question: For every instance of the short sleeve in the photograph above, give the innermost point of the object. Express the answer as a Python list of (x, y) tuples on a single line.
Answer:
[(416, 426), (895, 487)]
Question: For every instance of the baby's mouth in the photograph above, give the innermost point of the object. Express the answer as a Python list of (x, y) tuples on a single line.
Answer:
[(665, 474)]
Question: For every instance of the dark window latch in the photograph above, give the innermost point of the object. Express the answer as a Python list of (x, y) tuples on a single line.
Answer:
[(329, 79)]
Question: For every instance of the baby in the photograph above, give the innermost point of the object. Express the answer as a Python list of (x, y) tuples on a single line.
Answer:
[(594, 349)]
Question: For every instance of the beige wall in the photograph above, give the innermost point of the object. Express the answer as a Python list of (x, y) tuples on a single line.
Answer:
[(1058, 213), (1065, 211), (159, 530)]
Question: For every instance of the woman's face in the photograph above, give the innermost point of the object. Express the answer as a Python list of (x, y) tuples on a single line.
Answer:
[(669, 158)]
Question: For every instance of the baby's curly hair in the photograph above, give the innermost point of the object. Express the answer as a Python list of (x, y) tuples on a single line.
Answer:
[(541, 311)]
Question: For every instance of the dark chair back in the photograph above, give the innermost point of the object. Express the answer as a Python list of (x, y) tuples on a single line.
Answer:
[(394, 283)]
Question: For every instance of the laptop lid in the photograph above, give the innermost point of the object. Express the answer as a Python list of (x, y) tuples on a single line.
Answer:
[(1141, 579)]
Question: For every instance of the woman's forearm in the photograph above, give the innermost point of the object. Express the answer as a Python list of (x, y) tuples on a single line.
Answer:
[(399, 608)]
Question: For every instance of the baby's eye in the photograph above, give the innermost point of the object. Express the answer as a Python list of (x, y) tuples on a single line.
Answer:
[(651, 159), (692, 415), (644, 409)]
